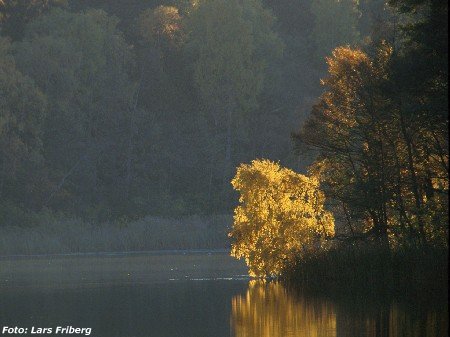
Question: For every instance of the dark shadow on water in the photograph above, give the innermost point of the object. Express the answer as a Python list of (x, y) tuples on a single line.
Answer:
[(170, 309)]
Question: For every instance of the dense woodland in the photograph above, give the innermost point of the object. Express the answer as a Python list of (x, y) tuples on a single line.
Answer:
[(114, 109), (130, 108)]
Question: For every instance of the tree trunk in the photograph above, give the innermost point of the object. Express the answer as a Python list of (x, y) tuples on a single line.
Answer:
[(414, 183)]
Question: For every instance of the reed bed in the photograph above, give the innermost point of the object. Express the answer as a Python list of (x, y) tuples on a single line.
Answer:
[(57, 236), (373, 270)]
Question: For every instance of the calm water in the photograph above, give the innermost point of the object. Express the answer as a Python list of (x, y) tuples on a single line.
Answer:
[(191, 295)]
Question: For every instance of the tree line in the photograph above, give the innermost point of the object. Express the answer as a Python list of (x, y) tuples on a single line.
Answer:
[(111, 109), (380, 134), (381, 129)]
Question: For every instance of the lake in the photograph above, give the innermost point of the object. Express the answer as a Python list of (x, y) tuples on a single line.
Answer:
[(191, 294)]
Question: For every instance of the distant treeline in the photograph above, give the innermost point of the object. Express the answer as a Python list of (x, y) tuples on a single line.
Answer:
[(129, 108)]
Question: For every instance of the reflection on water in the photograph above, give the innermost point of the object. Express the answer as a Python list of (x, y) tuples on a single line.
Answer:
[(133, 296), (270, 310), (267, 310)]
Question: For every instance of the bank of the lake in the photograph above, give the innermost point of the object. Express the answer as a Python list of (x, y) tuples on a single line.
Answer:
[(406, 272)]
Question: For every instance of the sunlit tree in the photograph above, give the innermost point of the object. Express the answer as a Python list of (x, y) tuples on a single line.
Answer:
[(281, 215), (161, 25), (375, 161)]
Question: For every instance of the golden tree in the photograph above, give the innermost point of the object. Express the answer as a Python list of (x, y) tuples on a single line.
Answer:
[(161, 25), (381, 162), (281, 214)]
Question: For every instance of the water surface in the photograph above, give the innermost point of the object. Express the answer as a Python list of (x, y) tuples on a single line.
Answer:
[(195, 294)]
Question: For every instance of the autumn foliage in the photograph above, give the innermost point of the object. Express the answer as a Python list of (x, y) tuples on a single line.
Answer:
[(281, 214), (382, 160)]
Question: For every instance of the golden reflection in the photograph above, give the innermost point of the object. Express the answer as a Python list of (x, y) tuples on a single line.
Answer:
[(270, 310), (267, 310)]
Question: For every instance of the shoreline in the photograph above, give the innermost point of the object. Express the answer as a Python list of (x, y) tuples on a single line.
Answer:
[(119, 253)]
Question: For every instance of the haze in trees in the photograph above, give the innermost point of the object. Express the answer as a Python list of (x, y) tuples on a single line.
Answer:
[(23, 110), (16, 14), (82, 64), (127, 109), (335, 24), (232, 44)]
